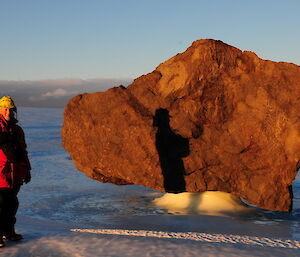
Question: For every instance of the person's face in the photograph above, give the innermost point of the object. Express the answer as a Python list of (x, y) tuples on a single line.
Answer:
[(6, 112)]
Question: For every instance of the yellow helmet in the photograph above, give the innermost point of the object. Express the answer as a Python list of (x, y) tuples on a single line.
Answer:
[(7, 102)]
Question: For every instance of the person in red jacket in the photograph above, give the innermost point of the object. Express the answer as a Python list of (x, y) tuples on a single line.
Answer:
[(14, 168)]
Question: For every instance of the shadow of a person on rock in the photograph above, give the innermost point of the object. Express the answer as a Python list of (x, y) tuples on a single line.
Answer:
[(171, 148)]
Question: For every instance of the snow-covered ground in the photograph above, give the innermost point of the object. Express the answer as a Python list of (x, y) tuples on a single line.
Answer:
[(64, 213)]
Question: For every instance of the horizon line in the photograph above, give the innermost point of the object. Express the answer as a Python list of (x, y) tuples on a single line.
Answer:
[(65, 79)]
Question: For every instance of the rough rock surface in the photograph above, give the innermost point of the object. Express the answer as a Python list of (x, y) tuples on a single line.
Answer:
[(211, 118)]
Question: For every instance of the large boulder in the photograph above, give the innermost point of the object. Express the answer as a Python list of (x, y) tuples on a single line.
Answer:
[(211, 118)]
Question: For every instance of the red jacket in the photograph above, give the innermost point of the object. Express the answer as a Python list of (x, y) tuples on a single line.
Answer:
[(14, 163)]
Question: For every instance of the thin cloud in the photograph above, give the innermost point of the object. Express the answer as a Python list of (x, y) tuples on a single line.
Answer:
[(56, 93), (59, 92)]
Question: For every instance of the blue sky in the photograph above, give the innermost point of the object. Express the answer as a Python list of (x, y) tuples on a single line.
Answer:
[(50, 39)]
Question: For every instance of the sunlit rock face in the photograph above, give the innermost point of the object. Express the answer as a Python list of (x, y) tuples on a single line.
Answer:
[(211, 118)]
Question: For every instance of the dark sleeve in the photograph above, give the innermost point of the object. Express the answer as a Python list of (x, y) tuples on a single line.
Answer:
[(6, 138), (22, 147)]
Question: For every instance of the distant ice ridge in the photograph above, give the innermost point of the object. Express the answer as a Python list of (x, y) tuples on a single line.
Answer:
[(209, 202), (202, 237)]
